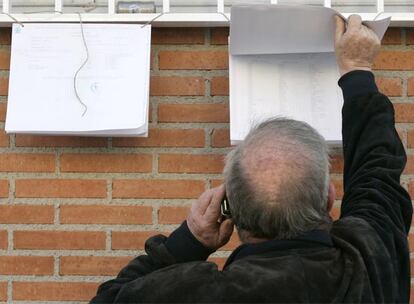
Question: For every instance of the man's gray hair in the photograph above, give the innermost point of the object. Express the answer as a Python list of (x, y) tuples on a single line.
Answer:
[(277, 180)]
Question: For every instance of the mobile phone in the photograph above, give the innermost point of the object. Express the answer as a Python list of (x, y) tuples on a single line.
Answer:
[(225, 208)]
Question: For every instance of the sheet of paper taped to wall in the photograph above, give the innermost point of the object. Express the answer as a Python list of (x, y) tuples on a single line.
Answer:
[(282, 63), (114, 84)]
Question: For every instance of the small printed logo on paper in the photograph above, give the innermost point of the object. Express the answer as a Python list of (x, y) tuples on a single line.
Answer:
[(18, 29)]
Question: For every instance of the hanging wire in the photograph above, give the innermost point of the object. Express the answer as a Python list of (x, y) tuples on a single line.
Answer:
[(377, 15), (152, 20), (36, 12), (225, 16), (14, 19), (75, 78)]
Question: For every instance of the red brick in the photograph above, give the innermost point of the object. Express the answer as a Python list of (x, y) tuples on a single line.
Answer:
[(26, 214), (103, 214), (131, 239), (410, 36), (412, 270), (89, 265), (172, 214), (4, 59), (3, 240), (233, 243), (412, 294), (216, 112), (193, 60), (3, 285), (220, 86), (182, 35), (59, 240), (337, 163), (409, 168), (220, 35), (5, 35), (13, 162), (220, 138), (404, 112), (218, 261), (59, 141), (106, 163), (216, 182), (410, 138), (410, 88), (161, 188), (54, 291), (401, 135), (26, 265), (411, 241), (63, 188), (191, 163), (394, 60), (4, 188), (4, 139), (164, 138), (176, 86), (150, 112), (4, 86), (392, 36), (152, 59), (339, 188), (390, 86), (411, 184), (3, 109)]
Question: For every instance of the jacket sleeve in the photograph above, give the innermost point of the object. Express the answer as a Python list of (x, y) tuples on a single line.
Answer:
[(181, 246), (374, 158)]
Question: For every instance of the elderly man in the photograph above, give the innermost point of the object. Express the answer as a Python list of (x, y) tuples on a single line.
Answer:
[(278, 188)]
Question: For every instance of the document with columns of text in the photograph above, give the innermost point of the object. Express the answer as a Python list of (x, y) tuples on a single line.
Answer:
[(282, 64), (110, 95)]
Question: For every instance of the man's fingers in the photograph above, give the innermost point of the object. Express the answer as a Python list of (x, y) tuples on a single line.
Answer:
[(213, 210), (200, 206), (370, 33), (354, 23), (340, 27)]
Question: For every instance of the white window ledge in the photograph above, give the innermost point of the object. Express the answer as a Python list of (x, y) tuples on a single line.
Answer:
[(172, 19)]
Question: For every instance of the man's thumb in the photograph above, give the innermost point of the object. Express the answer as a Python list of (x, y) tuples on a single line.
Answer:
[(340, 27)]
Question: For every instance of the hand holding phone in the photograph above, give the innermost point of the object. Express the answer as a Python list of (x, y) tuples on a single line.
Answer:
[(205, 219)]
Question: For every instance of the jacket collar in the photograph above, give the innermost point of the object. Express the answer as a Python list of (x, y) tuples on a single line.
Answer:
[(314, 238)]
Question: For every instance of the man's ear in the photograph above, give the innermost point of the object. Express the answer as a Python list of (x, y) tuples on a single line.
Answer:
[(331, 196)]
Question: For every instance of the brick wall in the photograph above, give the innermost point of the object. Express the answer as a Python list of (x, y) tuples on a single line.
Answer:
[(74, 210)]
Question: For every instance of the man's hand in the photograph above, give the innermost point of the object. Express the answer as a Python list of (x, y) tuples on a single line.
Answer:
[(203, 220), (355, 45)]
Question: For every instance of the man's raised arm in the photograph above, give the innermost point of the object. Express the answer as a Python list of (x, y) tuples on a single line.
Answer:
[(376, 210), (373, 153)]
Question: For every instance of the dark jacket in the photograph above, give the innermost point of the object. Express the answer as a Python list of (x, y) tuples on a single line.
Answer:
[(364, 258)]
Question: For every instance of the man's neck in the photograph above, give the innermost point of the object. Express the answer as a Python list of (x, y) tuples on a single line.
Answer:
[(253, 240)]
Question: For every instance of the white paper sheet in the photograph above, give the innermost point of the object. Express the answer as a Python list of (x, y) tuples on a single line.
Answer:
[(282, 63), (298, 86), (114, 84), (286, 29)]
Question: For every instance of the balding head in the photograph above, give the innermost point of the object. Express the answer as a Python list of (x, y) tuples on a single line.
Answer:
[(277, 180)]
